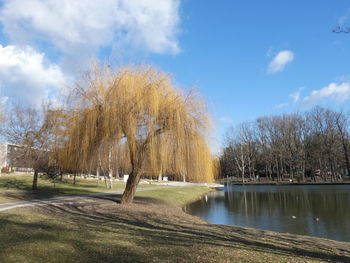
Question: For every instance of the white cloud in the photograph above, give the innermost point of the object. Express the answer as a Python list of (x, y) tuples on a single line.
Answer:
[(26, 77), (334, 91), (280, 61), (294, 99), (151, 25), (295, 96)]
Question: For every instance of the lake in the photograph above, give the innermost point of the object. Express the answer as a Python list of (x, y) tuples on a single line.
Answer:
[(288, 209)]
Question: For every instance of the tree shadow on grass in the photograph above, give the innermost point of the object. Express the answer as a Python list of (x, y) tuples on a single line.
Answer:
[(29, 194), (41, 240)]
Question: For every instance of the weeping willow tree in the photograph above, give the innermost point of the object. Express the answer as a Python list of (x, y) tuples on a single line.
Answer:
[(161, 128)]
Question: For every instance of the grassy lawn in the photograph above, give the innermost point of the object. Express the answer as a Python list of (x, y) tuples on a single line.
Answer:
[(153, 229), (18, 187)]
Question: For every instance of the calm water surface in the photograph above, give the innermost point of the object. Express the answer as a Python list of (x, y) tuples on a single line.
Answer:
[(287, 209)]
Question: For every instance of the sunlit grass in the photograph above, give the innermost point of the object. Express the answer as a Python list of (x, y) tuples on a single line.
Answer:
[(18, 187)]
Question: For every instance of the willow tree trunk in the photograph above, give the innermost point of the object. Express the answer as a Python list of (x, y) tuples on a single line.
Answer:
[(130, 188), (35, 180)]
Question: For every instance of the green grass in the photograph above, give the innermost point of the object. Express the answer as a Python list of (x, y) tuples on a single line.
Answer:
[(24, 182), (150, 230), (18, 187)]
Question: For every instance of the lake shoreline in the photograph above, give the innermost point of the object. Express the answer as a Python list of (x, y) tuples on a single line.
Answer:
[(288, 183)]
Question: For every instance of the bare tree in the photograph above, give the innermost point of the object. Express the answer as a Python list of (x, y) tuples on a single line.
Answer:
[(31, 131), (291, 146), (342, 122), (241, 149)]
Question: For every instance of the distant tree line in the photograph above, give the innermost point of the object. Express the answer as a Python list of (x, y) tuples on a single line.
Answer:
[(302, 147)]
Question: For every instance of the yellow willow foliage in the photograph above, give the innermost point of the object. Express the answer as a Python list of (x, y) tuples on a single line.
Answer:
[(156, 127)]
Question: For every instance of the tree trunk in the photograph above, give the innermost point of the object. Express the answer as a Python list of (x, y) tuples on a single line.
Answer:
[(243, 174), (277, 170), (332, 170), (108, 181), (110, 171), (130, 188), (98, 168), (243, 164), (35, 180), (183, 177), (98, 173), (347, 161)]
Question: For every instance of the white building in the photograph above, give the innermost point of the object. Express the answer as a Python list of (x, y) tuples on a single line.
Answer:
[(11, 159), (3, 154)]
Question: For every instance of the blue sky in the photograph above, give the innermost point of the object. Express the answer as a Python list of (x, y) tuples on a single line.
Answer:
[(228, 45), (247, 58)]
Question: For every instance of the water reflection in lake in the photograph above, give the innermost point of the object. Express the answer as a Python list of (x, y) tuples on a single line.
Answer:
[(287, 209)]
